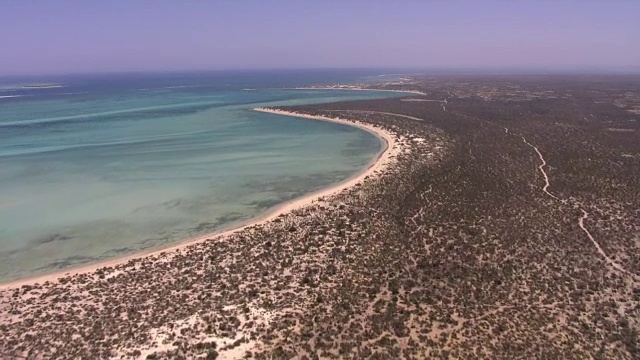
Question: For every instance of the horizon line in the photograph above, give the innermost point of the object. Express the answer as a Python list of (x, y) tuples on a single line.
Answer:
[(433, 70)]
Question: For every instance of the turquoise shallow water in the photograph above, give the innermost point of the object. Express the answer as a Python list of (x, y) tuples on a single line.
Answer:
[(105, 166)]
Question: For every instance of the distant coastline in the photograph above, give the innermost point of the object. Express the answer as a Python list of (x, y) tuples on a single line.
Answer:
[(354, 88)]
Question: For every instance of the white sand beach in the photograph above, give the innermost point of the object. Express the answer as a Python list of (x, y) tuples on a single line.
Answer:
[(391, 147)]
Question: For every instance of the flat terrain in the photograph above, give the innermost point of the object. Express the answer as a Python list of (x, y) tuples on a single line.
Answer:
[(506, 226)]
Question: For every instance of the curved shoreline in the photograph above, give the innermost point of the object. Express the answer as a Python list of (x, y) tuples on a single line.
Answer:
[(379, 161)]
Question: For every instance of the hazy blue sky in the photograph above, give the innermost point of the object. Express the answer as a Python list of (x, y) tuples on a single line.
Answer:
[(80, 36)]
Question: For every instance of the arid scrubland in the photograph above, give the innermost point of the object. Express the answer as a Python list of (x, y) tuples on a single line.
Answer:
[(507, 225)]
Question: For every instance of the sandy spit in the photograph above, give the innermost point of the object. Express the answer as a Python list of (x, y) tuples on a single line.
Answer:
[(356, 89)]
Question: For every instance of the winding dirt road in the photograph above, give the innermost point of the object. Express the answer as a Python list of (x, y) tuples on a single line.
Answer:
[(585, 214), (611, 262), (541, 167)]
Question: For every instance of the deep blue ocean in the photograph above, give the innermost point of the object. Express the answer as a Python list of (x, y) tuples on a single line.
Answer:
[(94, 167)]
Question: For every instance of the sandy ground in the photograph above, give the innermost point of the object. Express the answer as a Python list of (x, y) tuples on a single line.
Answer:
[(423, 100), (379, 162), (384, 113)]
